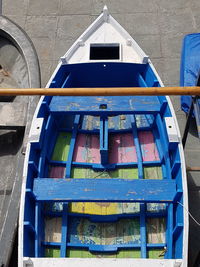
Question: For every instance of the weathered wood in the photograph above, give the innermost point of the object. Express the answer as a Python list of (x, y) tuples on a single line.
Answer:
[(128, 105), (193, 168), (113, 91), (99, 262), (107, 190), (13, 115)]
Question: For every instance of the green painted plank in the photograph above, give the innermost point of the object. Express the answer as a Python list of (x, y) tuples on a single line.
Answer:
[(153, 173), (155, 254), (52, 253), (61, 149), (76, 253), (128, 254), (125, 173)]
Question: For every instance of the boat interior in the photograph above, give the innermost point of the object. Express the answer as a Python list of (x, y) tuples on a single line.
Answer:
[(104, 178)]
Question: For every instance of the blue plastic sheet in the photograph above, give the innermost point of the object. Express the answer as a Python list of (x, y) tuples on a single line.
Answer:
[(190, 65)]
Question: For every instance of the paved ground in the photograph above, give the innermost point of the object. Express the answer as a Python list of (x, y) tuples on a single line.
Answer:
[(157, 25)]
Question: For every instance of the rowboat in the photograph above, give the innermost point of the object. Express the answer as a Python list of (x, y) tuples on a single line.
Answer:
[(104, 180), (18, 68)]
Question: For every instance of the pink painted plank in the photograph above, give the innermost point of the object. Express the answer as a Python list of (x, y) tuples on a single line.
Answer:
[(148, 146), (87, 148), (57, 172), (122, 148)]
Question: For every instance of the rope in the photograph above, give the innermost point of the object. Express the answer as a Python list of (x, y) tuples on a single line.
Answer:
[(192, 217), (99, 174)]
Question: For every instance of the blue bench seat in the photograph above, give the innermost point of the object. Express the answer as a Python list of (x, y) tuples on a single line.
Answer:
[(112, 105), (104, 190)]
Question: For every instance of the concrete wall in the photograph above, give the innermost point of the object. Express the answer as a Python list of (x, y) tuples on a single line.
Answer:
[(157, 25)]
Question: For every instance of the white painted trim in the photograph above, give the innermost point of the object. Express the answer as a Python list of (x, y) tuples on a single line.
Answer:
[(91, 262), (35, 131), (171, 130)]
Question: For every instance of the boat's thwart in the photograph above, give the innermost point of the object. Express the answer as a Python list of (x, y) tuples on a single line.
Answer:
[(104, 180)]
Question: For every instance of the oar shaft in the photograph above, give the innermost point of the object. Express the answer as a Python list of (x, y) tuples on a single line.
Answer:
[(111, 91)]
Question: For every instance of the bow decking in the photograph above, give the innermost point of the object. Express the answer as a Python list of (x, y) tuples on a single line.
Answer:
[(104, 173)]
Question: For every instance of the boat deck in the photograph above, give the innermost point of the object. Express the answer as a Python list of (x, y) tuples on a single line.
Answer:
[(103, 227), (105, 177)]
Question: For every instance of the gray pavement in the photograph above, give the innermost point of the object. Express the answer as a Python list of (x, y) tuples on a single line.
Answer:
[(157, 25)]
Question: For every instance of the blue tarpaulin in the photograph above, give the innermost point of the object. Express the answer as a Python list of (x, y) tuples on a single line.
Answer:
[(190, 65)]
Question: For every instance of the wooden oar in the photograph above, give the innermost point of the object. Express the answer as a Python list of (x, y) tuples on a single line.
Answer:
[(193, 168), (111, 91)]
